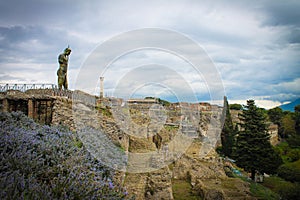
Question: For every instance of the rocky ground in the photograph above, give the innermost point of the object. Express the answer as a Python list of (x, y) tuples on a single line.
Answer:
[(159, 155)]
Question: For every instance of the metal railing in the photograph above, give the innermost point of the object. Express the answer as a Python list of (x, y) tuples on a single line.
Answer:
[(54, 91), (24, 87)]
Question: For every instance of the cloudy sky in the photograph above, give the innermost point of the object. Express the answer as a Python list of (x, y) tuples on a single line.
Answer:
[(254, 45)]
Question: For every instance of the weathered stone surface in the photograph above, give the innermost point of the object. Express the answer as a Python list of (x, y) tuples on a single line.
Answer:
[(141, 145), (62, 113), (205, 174), (159, 185), (273, 131), (135, 183)]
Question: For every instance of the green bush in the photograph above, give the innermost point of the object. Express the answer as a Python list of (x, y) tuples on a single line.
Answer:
[(294, 141), (290, 171), (287, 153), (260, 192), (285, 189), (294, 155), (288, 192)]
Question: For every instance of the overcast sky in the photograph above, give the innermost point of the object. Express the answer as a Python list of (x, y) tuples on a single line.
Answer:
[(255, 45)]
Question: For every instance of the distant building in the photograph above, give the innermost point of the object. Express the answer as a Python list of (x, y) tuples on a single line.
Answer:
[(142, 101), (203, 106)]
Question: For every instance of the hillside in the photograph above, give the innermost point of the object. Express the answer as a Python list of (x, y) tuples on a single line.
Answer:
[(290, 106)]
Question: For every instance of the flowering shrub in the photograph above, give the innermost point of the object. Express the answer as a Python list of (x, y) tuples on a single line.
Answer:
[(42, 162)]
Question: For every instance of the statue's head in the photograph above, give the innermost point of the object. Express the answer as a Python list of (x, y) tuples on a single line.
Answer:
[(68, 51)]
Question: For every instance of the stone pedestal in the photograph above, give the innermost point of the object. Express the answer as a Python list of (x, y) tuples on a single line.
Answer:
[(31, 110), (5, 107)]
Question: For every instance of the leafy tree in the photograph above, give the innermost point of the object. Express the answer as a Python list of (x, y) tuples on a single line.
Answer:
[(161, 101), (164, 102), (289, 130), (297, 108), (236, 106), (253, 150), (290, 171), (275, 115), (294, 154), (288, 125), (297, 119), (227, 135)]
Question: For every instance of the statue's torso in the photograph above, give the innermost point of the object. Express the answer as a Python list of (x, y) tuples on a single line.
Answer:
[(63, 62)]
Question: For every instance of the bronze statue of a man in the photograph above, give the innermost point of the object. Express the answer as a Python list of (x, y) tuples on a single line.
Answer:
[(63, 67)]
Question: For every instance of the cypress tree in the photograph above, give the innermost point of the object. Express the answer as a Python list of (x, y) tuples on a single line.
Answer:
[(227, 134), (253, 149)]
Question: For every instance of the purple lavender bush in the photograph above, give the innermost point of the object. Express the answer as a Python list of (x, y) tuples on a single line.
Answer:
[(43, 162)]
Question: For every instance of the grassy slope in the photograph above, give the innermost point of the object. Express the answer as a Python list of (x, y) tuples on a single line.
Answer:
[(183, 190)]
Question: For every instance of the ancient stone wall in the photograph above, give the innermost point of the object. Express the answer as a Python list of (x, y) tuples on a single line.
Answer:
[(37, 106), (273, 131), (204, 174), (62, 112)]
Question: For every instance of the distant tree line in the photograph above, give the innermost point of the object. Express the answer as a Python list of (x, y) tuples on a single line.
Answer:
[(161, 101)]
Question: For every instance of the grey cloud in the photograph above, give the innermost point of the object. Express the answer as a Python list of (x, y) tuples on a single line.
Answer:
[(25, 43), (36, 44), (251, 63), (7, 77), (283, 97), (282, 13), (294, 35), (34, 12)]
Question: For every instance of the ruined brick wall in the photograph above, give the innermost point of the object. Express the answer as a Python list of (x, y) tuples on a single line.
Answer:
[(35, 104), (273, 131)]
